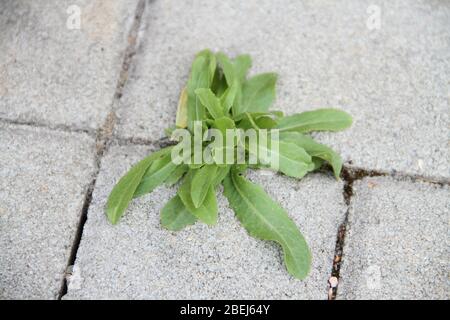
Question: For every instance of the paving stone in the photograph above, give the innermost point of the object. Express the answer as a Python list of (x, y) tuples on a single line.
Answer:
[(43, 180), (393, 80), (53, 74), (138, 259), (397, 242)]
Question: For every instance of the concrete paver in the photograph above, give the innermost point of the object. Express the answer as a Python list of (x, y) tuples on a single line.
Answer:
[(397, 241), (393, 80), (57, 72), (44, 176), (138, 259)]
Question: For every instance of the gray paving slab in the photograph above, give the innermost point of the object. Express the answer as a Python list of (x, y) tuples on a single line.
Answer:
[(397, 243), (138, 259), (393, 80), (44, 176), (53, 73)]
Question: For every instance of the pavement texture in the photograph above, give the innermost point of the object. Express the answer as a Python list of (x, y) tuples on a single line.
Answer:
[(120, 74), (392, 80), (397, 244), (56, 72), (44, 176), (138, 259)]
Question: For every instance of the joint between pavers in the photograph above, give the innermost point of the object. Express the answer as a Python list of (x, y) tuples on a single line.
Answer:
[(57, 128), (356, 173), (350, 175), (104, 136), (160, 143)]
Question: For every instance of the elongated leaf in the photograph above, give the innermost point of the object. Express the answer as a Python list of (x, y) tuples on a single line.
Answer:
[(257, 121), (316, 150), (155, 176), (219, 84), (181, 118), (211, 102), (265, 122), (158, 162), (264, 219), (201, 181), (223, 124), (207, 212), (317, 120), (293, 160), (227, 67), (175, 216), (123, 191), (256, 115), (228, 97), (258, 93), (220, 175), (202, 75), (241, 65), (176, 175)]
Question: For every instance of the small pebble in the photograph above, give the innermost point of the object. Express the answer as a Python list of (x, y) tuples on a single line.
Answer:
[(333, 281)]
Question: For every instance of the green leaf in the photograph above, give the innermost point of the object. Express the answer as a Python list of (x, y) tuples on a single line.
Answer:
[(175, 216), (181, 118), (220, 175), (293, 160), (211, 102), (123, 191), (201, 181), (265, 122), (227, 67), (316, 150), (264, 219), (176, 175), (317, 120), (219, 84), (256, 120), (202, 75), (156, 175), (207, 212), (223, 124), (317, 162), (241, 65), (258, 93), (229, 96), (256, 115)]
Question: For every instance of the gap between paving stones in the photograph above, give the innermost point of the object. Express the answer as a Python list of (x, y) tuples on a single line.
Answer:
[(61, 128), (350, 175), (104, 136)]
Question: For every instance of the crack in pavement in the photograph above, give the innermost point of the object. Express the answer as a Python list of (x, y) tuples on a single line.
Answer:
[(103, 137), (350, 175)]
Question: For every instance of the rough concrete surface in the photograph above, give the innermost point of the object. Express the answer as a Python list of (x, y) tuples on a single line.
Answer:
[(397, 243), (53, 73), (43, 179), (138, 259), (387, 63), (393, 80)]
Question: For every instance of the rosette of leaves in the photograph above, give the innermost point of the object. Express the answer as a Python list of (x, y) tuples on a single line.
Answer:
[(220, 94)]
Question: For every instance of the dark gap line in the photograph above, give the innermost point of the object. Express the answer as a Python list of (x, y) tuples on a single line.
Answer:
[(349, 176), (103, 137), (57, 127)]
